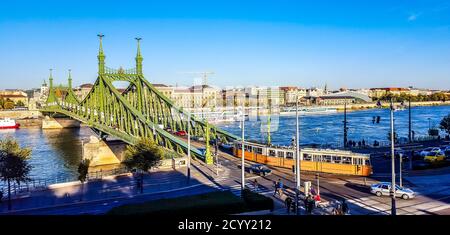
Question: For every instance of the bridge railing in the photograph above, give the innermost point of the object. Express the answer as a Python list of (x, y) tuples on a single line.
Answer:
[(36, 184)]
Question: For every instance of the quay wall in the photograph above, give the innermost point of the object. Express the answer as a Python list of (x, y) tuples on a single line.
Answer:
[(22, 114)]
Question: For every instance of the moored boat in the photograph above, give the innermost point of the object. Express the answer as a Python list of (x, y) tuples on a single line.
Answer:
[(8, 123)]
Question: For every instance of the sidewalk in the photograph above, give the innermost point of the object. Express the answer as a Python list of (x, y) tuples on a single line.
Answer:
[(113, 187)]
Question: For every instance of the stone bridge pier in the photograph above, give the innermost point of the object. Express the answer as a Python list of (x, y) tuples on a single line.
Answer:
[(103, 154), (59, 123)]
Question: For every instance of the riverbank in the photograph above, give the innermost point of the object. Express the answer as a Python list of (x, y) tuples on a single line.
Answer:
[(355, 107)]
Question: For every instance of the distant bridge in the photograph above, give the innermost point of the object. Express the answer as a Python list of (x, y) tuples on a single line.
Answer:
[(138, 112)]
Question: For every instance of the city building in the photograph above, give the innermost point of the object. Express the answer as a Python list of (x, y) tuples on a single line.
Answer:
[(199, 96), (15, 96), (291, 93), (379, 92), (83, 90), (346, 97)]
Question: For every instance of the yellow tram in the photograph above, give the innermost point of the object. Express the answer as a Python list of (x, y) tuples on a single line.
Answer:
[(318, 160)]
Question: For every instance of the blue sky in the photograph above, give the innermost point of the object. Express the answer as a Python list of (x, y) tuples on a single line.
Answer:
[(305, 43)]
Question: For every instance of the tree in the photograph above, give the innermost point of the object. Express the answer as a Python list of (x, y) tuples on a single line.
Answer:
[(9, 104), (445, 124), (13, 164), (83, 169), (143, 156), (2, 102), (20, 103)]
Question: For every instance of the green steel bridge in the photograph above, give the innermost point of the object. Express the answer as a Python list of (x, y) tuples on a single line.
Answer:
[(140, 111)]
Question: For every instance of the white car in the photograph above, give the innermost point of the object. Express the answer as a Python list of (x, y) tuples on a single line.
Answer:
[(384, 189), (425, 152)]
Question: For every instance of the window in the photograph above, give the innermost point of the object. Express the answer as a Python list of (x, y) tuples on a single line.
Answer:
[(357, 161), (306, 157), (326, 158), (290, 155), (272, 153), (384, 186), (346, 160), (317, 158), (258, 150), (367, 162), (337, 159), (280, 154)]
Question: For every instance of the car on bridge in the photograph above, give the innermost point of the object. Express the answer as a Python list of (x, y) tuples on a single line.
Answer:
[(181, 133), (384, 189)]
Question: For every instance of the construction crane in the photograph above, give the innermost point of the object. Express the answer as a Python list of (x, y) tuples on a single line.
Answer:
[(204, 76)]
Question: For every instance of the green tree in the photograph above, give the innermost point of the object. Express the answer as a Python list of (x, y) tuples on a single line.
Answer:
[(20, 103), (83, 169), (143, 156), (13, 164), (445, 124), (9, 104)]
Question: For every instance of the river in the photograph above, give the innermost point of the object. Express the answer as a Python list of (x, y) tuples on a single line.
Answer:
[(57, 153)]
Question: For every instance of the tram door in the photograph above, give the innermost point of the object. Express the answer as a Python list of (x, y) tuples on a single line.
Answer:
[(318, 162)]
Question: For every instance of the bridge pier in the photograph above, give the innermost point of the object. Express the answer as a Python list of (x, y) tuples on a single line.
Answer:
[(59, 123), (103, 154)]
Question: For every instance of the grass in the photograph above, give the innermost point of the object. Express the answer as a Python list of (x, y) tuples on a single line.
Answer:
[(215, 203)]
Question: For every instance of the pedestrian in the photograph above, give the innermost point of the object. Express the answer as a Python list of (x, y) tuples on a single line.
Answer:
[(280, 187), (277, 185), (312, 191), (317, 199), (364, 143), (359, 144), (310, 204), (345, 209), (255, 185), (288, 203), (305, 203)]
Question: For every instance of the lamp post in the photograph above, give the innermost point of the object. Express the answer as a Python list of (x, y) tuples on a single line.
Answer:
[(297, 159), (409, 121), (392, 191), (242, 151), (345, 126), (189, 147)]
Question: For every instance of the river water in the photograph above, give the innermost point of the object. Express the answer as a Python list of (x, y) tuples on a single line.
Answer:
[(57, 153)]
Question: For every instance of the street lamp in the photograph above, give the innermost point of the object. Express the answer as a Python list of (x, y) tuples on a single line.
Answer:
[(297, 159), (242, 151), (392, 191)]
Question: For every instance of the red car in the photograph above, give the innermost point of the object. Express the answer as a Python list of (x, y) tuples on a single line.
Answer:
[(181, 133)]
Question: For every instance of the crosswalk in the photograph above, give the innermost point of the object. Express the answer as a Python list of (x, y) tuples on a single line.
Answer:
[(236, 189)]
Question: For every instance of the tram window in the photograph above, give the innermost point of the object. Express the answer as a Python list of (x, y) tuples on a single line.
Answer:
[(272, 153), (248, 148), (337, 159), (367, 162), (307, 157), (346, 160), (326, 158), (317, 158), (258, 150), (280, 154), (357, 161), (290, 155)]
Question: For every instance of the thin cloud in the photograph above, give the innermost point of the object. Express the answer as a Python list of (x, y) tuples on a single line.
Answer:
[(413, 16)]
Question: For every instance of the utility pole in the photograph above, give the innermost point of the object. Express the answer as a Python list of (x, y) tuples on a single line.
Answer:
[(345, 126), (401, 169), (243, 153), (409, 121), (297, 159), (392, 191), (189, 148)]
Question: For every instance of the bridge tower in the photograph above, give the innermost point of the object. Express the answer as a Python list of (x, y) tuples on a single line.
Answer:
[(101, 56)]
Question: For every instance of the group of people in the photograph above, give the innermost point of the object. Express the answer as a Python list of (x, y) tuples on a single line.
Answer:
[(341, 208), (310, 202), (352, 143)]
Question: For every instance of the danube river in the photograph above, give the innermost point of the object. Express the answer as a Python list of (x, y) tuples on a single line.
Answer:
[(56, 153)]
